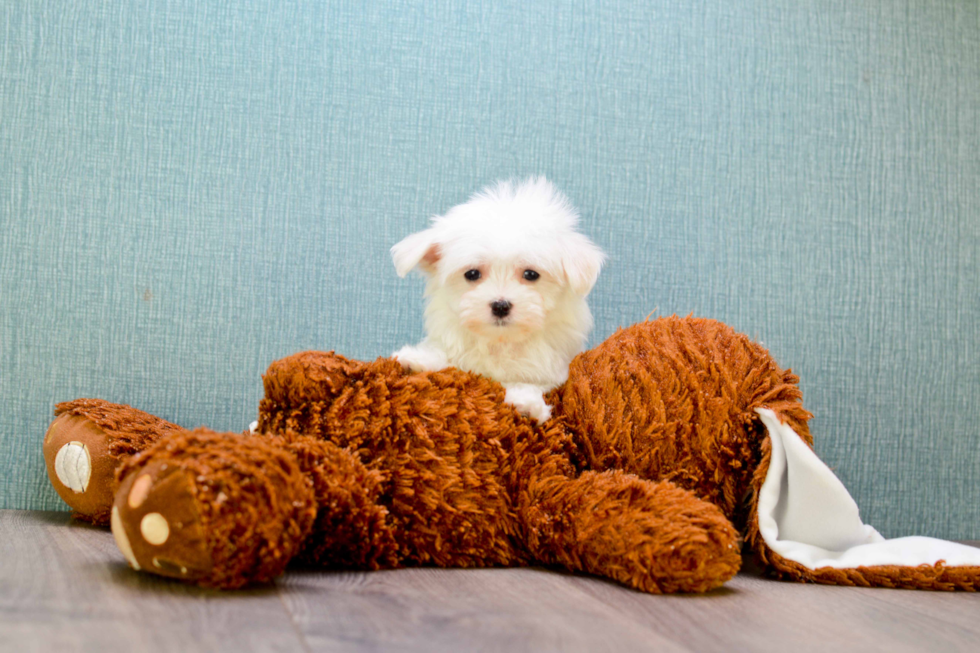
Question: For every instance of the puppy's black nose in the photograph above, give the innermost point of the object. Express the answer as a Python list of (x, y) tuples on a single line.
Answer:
[(500, 308)]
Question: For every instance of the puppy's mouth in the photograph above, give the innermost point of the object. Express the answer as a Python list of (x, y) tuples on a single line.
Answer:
[(502, 330)]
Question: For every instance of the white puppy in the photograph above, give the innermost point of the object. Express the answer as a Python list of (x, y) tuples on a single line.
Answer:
[(507, 275)]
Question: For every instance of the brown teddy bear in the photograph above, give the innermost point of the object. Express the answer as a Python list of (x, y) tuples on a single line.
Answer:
[(648, 473)]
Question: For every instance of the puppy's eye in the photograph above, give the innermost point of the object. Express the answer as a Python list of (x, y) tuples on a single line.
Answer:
[(472, 275), (531, 275)]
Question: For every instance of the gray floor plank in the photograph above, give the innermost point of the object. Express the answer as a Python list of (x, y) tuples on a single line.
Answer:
[(758, 614), (64, 587), (461, 610)]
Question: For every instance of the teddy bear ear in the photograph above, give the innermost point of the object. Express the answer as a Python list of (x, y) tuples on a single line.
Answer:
[(581, 260), (418, 250)]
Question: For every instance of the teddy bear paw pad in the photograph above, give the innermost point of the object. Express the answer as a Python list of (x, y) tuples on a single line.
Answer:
[(73, 466)]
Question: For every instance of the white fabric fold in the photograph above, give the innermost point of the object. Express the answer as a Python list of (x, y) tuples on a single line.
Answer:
[(807, 515)]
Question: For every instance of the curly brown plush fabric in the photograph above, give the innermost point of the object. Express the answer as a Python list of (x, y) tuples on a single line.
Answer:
[(675, 399), (130, 430), (465, 481), (647, 473)]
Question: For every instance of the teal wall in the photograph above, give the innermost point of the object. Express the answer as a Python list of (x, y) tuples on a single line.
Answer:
[(190, 189)]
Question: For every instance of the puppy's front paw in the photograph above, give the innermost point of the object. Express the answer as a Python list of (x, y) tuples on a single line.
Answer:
[(420, 359), (528, 400)]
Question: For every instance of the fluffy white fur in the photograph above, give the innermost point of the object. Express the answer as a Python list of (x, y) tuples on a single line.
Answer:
[(500, 233)]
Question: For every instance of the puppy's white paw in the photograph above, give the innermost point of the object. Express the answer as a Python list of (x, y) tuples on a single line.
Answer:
[(420, 359), (528, 400)]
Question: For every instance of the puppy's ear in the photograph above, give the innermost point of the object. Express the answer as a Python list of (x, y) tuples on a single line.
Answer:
[(582, 260), (418, 250)]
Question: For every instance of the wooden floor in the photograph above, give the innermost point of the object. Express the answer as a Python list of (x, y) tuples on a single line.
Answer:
[(64, 587)]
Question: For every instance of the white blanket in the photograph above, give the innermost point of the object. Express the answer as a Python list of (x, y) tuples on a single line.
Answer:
[(807, 515)]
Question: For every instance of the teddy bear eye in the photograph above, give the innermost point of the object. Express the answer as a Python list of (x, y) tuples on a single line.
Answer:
[(531, 275), (472, 275)]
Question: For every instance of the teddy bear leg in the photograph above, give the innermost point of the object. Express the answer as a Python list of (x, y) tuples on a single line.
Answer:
[(224, 510), (218, 509), (655, 537), (86, 443), (352, 528)]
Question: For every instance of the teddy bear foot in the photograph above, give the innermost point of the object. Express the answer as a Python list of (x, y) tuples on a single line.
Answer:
[(212, 508), (654, 537), (76, 453), (85, 445), (157, 524)]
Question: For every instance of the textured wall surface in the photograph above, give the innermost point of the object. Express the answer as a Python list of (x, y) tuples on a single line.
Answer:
[(190, 189)]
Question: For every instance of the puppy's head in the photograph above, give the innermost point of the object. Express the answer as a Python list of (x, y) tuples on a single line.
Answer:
[(503, 262)]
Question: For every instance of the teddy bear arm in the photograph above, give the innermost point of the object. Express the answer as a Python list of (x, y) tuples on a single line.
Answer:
[(655, 537)]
